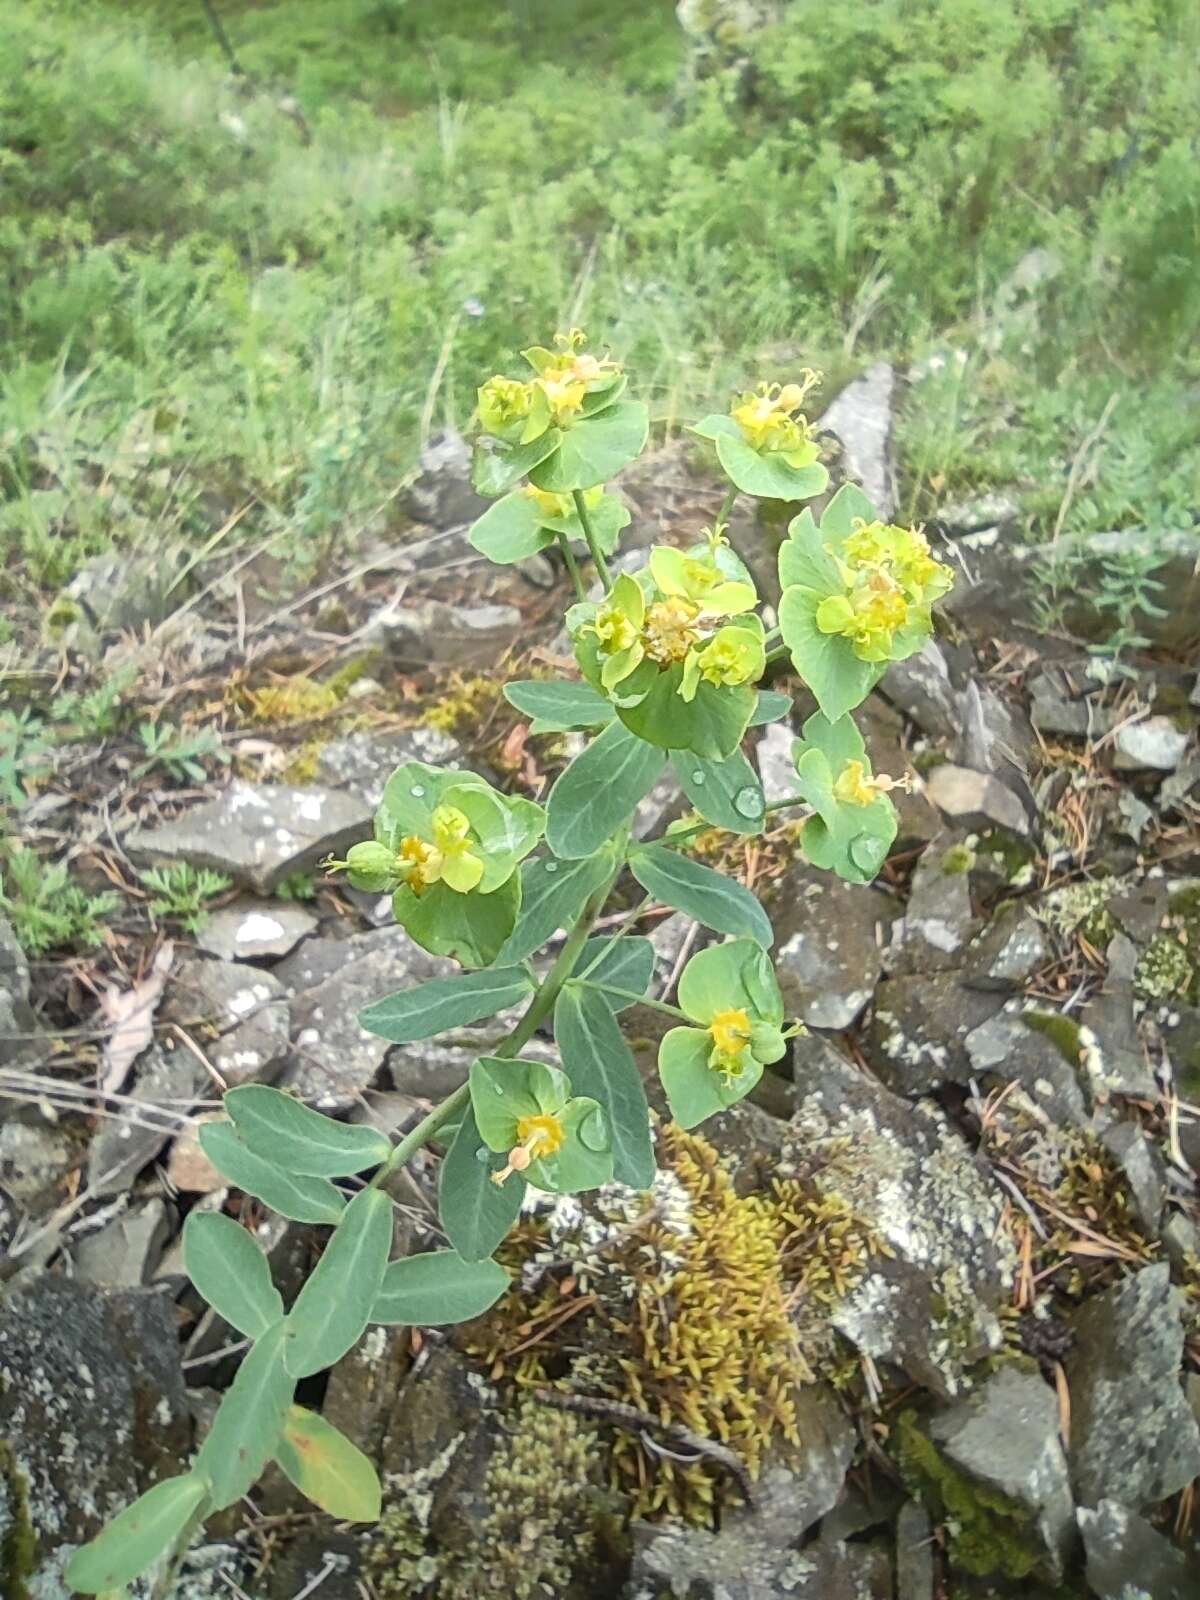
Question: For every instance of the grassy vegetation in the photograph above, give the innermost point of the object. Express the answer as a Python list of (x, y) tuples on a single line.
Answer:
[(221, 292)]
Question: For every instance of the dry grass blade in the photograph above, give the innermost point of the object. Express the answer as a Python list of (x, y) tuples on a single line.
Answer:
[(131, 1019)]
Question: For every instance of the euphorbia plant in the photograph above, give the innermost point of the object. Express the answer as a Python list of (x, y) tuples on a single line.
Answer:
[(671, 655)]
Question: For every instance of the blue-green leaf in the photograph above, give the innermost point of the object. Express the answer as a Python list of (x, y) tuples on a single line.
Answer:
[(770, 707), (626, 963), (595, 449), (143, 1532), (300, 1199), (476, 1213), (553, 893), (231, 1272), (249, 1420), (438, 1288), (718, 902), (336, 1302), (599, 792), (430, 1008), (560, 705), (728, 793), (282, 1130), (600, 1065)]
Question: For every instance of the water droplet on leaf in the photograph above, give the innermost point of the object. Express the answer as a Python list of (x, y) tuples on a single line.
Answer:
[(697, 776), (417, 790), (748, 802), (594, 1132), (483, 1155), (552, 866)]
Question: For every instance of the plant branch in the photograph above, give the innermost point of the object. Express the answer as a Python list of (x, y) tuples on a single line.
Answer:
[(589, 533), (727, 505), (642, 1000), (682, 835), (568, 555), (610, 943)]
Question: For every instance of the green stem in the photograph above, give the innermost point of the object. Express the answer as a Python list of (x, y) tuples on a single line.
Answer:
[(540, 1007), (778, 654), (589, 533), (682, 835), (643, 1000), (726, 506), (568, 555), (610, 943), (773, 634)]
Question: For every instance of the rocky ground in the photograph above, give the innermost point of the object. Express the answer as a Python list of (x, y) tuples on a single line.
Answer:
[(921, 1321)]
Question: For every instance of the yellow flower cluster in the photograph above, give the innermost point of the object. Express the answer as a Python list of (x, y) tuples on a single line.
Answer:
[(890, 582), (769, 418), (553, 397)]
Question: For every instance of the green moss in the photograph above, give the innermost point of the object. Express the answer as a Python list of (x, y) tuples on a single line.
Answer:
[(18, 1551), (1165, 970), (958, 858), (1062, 1032), (986, 1531), (1082, 908)]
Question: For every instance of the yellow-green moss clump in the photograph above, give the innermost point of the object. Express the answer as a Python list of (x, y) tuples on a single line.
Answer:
[(465, 704), (546, 1513), (683, 1304)]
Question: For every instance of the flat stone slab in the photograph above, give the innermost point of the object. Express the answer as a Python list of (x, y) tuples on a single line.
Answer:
[(830, 941), (363, 762), (254, 929), (258, 833)]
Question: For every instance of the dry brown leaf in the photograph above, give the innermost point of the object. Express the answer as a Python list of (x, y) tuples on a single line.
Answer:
[(131, 1018)]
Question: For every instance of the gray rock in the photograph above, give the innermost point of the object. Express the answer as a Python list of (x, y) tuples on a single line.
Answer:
[(34, 1160), (125, 591), (661, 806), (259, 833), (921, 687), (1007, 953), (938, 920), (861, 417), (1127, 1559), (1116, 1059), (997, 738), (733, 1564), (441, 496), (914, 1553), (776, 768), (1133, 1436), (22, 1043), (363, 762), (252, 929), (1175, 792), (918, 1032), (243, 1005), (981, 511), (1054, 708), (973, 799), (930, 1306), (1154, 744), (1144, 1172), (125, 1254), (1005, 1437), (164, 1086), (1008, 1046), (791, 1497), (432, 633), (92, 1407), (830, 937)]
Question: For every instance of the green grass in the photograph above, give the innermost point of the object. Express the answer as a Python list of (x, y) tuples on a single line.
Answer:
[(211, 303)]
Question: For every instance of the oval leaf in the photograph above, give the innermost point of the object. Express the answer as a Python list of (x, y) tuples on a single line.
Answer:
[(768, 476), (300, 1199), (726, 793), (231, 1273), (600, 1065), (292, 1135), (476, 1213), (553, 893), (599, 791), (327, 1469), (438, 1288), (718, 902), (626, 963), (335, 1303), (470, 928), (430, 1008), (249, 1420), (559, 706), (498, 470), (511, 530), (595, 449), (137, 1538), (770, 707)]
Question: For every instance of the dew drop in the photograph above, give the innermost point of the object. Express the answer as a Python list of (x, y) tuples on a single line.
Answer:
[(552, 866), (748, 802), (483, 1155), (594, 1132), (417, 789), (697, 776)]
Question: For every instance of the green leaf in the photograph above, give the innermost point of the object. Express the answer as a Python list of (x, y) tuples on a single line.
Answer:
[(710, 725), (768, 476), (826, 661), (497, 471), (736, 974), (695, 1090), (438, 1288), (594, 449), (470, 928), (507, 1090), (851, 840), (300, 1199), (600, 1065), (713, 899), (599, 792), (281, 1129), (558, 706), (136, 1538), (337, 1299), (804, 559), (716, 425), (430, 1008), (728, 793), (249, 1420), (553, 893), (327, 1469), (231, 1272), (511, 530), (626, 964), (846, 507), (771, 706), (476, 1213)]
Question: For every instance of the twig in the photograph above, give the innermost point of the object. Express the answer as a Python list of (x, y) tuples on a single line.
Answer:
[(1078, 463), (643, 1421)]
